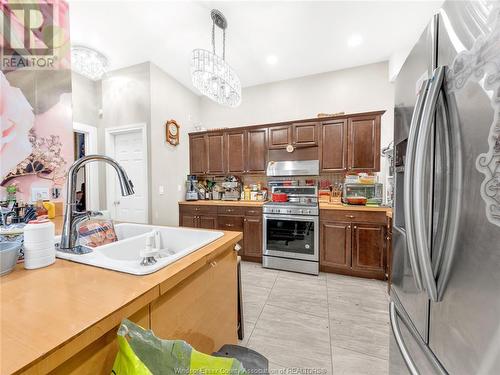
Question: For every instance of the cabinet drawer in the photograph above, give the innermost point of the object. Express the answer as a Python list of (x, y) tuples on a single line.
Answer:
[(254, 211), (226, 222), (372, 217), (231, 210), (188, 209)]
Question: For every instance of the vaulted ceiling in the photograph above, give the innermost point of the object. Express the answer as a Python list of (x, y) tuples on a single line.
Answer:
[(266, 40)]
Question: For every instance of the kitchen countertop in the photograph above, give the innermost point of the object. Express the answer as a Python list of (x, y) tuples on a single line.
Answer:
[(223, 203), (50, 314), (322, 205)]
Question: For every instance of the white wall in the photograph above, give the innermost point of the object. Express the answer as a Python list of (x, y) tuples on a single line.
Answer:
[(169, 164), (145, 93), (359, 89)]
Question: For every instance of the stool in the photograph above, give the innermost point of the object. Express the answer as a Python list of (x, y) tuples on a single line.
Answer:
[(253, 362)]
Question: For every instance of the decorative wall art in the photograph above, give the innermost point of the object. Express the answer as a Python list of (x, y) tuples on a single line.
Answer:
[(36, 138)]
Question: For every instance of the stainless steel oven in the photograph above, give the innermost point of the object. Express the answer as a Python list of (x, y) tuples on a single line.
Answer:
[(291, 232)]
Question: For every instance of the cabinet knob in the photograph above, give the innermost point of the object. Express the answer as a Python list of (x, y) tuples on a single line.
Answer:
[(355, 227), (245, 219), (229, 225), (350, 216), (348, 227)]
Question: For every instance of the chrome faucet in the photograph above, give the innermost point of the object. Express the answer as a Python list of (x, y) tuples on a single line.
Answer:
[(72, 217)]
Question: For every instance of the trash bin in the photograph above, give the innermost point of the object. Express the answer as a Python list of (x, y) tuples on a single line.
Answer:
[(253, 362)]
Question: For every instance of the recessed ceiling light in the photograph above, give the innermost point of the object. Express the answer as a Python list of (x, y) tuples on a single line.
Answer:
[(271, 59), (355, 40)]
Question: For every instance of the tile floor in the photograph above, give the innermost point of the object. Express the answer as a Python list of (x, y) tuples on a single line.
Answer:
[(330, 324)]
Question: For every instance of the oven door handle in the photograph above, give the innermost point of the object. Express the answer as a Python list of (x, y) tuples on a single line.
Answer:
[(291, 217)]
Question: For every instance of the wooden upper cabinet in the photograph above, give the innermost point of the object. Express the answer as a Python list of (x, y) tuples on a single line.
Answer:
[(335, 245), (368, 247), (197, 154), (256, 153), (305, 134), (235, 152), (333, 150), (280, 136), (215, 153), (364, 143)]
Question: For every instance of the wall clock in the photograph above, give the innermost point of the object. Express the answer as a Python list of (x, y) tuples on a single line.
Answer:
[(172, 130)]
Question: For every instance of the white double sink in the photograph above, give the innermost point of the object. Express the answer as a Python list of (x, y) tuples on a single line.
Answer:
[(124, 255)]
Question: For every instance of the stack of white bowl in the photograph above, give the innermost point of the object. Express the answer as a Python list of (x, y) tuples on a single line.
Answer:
[(39, 247)]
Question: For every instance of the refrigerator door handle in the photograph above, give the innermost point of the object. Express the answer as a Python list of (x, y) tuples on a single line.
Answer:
[(422, 147), (394, 316), (445, 250), (396, 331), (408, 184)]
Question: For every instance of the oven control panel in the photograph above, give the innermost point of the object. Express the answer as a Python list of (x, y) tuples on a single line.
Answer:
[(309, 211)]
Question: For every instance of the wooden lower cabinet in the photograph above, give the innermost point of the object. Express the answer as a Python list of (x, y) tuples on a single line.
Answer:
[(351, 247), (207, 300), (98, 357), (207, 222), (188, 220), (368, 248), (252, 238), (335, 238), (190, 310), (232, 218)]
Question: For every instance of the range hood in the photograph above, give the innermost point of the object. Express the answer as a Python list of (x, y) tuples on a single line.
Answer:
[(293, 168)]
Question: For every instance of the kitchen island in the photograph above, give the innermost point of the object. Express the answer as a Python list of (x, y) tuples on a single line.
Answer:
[(63, 318)]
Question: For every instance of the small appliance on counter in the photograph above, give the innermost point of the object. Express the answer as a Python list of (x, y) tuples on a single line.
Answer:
[(358, 193), (232, 189), (191, 188)]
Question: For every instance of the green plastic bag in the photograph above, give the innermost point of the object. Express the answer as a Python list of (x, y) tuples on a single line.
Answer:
[(142, 353)]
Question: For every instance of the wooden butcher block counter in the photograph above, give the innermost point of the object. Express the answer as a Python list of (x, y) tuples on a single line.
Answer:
[(63, 318)]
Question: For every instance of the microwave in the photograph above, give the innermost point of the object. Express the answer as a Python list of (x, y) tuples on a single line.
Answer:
[(369, 191)]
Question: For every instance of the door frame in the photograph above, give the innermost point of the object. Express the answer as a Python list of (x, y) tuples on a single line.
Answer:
[(109, 139), (91, 174)]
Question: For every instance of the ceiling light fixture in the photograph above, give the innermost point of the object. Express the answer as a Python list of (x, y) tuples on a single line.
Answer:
[(211, 74), (271, 59), (88, 62), (355, 40)]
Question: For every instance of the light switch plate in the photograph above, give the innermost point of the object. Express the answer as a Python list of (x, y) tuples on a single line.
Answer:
[(161, 189)]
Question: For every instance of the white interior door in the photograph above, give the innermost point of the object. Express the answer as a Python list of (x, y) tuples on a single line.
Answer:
[(129, 153)]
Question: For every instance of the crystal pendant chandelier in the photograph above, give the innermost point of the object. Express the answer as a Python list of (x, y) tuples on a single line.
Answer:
[(211, 74), (88, 62)]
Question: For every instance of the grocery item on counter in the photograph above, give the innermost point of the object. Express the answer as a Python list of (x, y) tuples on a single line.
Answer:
[(97, 232)]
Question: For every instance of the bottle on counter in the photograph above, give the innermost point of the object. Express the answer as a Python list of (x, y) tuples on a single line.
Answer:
[(51, 209), (247, 193)]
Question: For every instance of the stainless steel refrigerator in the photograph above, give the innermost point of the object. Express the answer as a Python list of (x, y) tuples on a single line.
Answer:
[(445, 294)]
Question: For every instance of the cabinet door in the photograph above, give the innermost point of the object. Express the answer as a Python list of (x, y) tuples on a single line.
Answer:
[(197, 154), (252, 236), (215, 154), (189, 220), (256, 151), (202, 309), (368, 247), (335, 245), (333, 154), (235, 152), (207, 222), (305, 134), (280, 136), (364, 143)]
